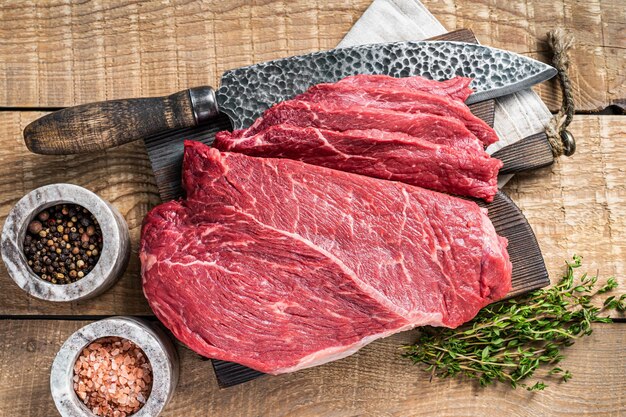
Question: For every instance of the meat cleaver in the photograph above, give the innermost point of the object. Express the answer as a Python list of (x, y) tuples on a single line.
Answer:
[(245, 93)]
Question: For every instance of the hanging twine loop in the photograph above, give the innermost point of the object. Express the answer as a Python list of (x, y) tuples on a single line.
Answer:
[(561, 140)]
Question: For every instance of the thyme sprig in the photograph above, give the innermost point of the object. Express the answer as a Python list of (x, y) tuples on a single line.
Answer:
[(508, 341)]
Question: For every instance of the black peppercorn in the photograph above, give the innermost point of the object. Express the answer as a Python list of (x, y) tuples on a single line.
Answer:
[(43, 216), (63, 243), (35, 227)]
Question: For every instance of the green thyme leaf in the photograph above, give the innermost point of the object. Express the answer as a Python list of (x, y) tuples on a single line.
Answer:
[(510, 340)]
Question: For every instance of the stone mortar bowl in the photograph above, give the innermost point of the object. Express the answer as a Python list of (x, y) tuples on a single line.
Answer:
[(115, 243), (156, 345)]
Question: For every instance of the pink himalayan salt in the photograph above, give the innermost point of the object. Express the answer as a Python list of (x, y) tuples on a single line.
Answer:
[(113, 377)]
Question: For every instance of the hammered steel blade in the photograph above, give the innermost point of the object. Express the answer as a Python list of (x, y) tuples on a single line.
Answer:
[(246, 92)]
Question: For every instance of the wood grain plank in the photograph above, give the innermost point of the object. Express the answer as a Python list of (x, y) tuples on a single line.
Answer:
[(376, 381), (576, 206), (61, 53)]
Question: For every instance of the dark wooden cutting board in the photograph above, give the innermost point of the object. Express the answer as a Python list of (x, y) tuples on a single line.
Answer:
[(529, 271)]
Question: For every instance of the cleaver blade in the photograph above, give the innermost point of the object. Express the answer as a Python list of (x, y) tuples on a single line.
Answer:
[(245, 93)]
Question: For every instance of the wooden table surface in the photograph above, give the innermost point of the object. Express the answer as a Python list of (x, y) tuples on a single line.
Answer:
[(58, 53)]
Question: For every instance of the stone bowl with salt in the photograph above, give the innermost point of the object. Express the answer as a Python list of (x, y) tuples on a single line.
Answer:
[(119, 366)]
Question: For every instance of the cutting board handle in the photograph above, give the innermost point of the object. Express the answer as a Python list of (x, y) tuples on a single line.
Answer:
[(103, 125), (532, 152)]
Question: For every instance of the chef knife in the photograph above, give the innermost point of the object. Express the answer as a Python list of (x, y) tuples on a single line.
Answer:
[(245, 93)]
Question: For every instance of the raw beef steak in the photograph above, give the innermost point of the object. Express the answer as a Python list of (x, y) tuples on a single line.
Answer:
[(280, 265), (456, 88), (391, 156), (402, 129), (429, 127), (402, 100)]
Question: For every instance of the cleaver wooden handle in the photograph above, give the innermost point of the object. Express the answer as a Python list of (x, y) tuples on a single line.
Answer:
[(103, 125)]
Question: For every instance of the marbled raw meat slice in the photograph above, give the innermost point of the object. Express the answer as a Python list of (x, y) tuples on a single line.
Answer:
[(433, 128), (402, 100), (241, 269), (392, 156), (456, 88)]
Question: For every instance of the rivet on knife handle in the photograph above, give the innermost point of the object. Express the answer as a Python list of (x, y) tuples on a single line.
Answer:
[(97, 126)]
